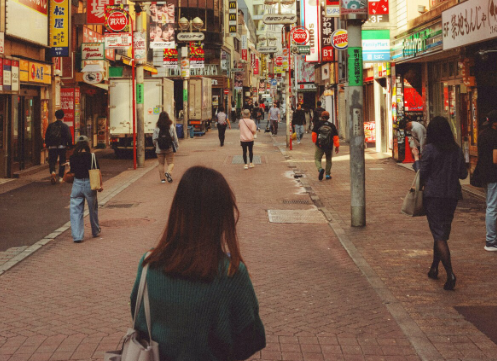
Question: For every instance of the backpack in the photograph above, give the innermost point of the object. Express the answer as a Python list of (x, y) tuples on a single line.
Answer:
[(325, 135), (164, 141), (55, 134)]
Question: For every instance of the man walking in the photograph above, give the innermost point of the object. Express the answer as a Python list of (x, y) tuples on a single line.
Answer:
[(298, 122), (418, 135), (316, 118), (324, 135), (57, 138), (487, 159), (274, 118)]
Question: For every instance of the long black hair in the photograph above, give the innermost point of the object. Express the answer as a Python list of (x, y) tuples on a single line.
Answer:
[(80, 146), (440, 135), (164, 122)]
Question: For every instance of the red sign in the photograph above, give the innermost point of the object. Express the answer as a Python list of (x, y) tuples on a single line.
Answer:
[(95, 11), (226, 91), (67, 96), (378, 7), (328, 53), (300, 36), (40, 6), (117, 21), (278, 61), (244, 54)]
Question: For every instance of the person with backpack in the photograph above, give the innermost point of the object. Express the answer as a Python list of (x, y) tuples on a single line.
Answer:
[(324, 135), (166, 144), (57, 138), (316, 118)]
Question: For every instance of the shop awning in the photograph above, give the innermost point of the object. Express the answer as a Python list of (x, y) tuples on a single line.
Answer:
[(148, 67)]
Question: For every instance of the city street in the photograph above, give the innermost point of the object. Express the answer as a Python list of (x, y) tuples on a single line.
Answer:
[(327, 291)]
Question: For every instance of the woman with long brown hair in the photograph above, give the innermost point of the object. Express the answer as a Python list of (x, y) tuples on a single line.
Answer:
[(202, 302), (166, 144)]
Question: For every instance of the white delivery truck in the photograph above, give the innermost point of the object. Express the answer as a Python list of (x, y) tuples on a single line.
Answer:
[(158, 97), (200, 106)]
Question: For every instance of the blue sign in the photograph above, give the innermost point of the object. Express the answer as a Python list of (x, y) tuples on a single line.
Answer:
[(274, 82), (376, 45)]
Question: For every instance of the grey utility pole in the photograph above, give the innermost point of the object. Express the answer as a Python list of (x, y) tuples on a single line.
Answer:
[(140, 93), (355, 120)]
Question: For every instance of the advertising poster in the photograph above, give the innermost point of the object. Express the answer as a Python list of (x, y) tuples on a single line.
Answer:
[(306, 72), (170, 58), (327, 29), (59, 27), (161, 25), (197, 55), (67, 105), (27, 20), (117, 30), (312, 23)]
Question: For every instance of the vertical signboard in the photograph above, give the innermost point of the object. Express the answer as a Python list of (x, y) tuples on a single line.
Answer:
[(327, 29), (2, 42), (355, 66), (14, 72), (59, 27), (312, 23), (7, 79), (161, 22), (67, 105), (244, 48), (1, 74), (232, 17)]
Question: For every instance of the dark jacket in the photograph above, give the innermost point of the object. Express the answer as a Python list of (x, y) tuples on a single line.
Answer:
[(66, 137), (317, 115), (487, 142), (440, 172), (298, 117)]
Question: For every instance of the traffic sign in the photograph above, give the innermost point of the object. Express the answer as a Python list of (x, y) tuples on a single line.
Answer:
[(274, 82), (226, 91)]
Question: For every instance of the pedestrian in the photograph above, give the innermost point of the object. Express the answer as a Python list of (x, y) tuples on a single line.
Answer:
[(308, 118), (166, 144), (418, 135), (298, 122), (274, 118), (247, 130), (316, 118), (57, 138), (256, 115), (233, 112), (325, 136), (263, 110), (487, 159), (222, 123), (79, 163), (440, 167), (202, 302)]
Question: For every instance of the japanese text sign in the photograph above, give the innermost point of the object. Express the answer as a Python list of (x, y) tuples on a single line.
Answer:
[(355, 66), (59, 27), (327, 29), (470, 22), (95, 12)]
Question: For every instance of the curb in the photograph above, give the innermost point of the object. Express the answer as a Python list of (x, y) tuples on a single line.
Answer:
[(421, 344), (52, 236)]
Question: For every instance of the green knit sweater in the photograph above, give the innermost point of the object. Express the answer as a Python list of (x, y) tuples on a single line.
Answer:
[(199, 321)]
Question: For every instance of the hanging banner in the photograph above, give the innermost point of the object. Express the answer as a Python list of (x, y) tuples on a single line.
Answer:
[(327, 29), (170, 58), (197, 56), (59, 27), (244, 47), (161, 24), (255, 64), (232, 17), (312, 23)]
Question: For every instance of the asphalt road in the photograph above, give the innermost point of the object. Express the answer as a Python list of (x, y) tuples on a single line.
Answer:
[(31, 212)]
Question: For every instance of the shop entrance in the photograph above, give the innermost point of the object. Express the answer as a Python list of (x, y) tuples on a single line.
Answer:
[(25, 133)]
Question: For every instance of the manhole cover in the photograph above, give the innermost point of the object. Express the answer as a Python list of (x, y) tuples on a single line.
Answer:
[(238, 159), (119, 205), (296, 201), (296, 216), (128, 222)]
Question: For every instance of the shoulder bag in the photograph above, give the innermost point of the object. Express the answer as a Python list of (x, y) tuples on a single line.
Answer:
[(95, 175), (68, 175), (135, 348), (413, 202)]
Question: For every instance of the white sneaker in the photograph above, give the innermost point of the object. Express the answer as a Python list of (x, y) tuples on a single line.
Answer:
[(245, 166), (251, 165), (491, 248)]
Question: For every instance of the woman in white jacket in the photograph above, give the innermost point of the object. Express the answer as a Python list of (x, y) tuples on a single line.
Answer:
[(166, 144)]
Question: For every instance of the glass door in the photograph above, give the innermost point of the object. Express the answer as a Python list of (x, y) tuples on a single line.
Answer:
[(24, 137)]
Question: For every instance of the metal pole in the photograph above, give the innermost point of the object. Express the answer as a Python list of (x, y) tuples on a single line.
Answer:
[(355, 101), (288, 88), (140, 107), (133, 89), (185, 73)]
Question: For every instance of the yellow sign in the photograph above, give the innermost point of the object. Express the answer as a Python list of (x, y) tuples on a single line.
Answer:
[(59, 28), (30, 71)]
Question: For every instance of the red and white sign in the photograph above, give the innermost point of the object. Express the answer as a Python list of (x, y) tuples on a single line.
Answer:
[(328, 54), (90, 36), (95, 11), (244, 54), (300, 36), (2, 42), (117, 21), (92, 51), (312, 23), (226, 91), (278, 61), (378, 7)]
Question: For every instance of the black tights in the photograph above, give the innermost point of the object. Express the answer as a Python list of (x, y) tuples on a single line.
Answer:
[(441, 252), (248, 145)]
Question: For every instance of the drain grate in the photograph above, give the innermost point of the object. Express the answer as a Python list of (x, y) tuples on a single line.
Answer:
[(120, 205), (238, 159), (296, 201), (296, 216)]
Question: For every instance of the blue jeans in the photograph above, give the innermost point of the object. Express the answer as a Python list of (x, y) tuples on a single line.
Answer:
[(80, 191), (491, 214), (299, 129)]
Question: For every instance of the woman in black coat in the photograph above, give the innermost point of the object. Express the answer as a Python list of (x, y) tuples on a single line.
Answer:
[(441, 166)]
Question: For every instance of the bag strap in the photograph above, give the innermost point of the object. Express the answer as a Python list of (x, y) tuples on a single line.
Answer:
[(93, 161), (143, 295), (416, 183)]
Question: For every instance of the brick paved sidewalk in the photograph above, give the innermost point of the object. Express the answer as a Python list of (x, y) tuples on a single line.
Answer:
[(71, 301)]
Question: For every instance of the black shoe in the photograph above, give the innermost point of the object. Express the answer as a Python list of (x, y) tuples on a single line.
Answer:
[(433, 273), (169, 179), (321, 174), (451, 282)]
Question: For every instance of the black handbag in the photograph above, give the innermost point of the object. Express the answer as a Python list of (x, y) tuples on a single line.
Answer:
[(476, 178)]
